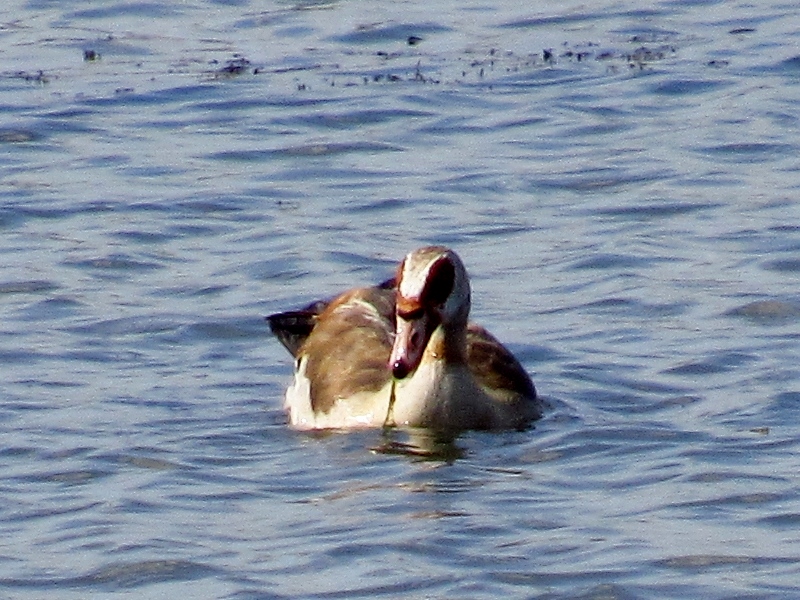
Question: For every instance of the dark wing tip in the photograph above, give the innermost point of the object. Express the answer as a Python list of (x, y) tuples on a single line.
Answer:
[(389, 284), (292, 328)]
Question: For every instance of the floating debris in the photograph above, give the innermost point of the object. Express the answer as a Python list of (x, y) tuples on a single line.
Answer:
[(238, 65), (38, 77), (414, 62), (432, 69), (644, 55)]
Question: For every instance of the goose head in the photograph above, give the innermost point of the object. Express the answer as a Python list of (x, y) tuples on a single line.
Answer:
[(432, 291)]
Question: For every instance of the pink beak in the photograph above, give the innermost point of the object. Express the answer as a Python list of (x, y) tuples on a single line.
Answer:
[(410, 341)]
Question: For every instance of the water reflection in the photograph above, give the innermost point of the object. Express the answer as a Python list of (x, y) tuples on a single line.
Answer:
[(420, 444)]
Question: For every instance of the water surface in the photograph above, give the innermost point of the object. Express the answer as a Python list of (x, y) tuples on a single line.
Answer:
[(621, 183)]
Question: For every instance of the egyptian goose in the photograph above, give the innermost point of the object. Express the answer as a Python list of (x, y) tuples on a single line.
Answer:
[(403, 354)]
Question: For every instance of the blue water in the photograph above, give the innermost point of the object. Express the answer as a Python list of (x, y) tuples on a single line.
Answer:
[(621, 183)]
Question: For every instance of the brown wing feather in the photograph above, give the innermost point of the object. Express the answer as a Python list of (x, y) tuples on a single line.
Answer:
[(349, 347), (495, 368), (293, 327)]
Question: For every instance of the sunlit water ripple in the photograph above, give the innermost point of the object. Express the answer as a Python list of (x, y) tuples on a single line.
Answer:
[(621, 183)]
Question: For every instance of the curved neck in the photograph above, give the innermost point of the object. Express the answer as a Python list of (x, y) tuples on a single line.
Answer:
[(449, 343)]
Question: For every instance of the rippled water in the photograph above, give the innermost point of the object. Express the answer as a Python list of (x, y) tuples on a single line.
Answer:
[(621, 182)]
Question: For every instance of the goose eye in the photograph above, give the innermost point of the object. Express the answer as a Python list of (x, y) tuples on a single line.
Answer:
[(440, 282)]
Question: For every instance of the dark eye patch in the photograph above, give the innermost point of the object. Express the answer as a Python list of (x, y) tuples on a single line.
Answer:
[(411, 315), (440, 282)]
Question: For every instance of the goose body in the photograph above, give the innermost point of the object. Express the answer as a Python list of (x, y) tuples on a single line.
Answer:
[(403, 354)]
